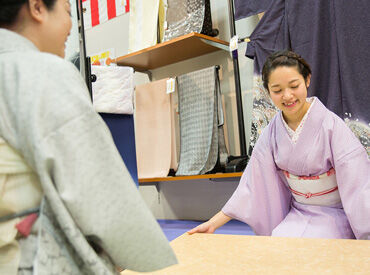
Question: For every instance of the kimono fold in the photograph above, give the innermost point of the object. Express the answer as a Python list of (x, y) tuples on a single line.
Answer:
[(332, 36), (201, 122), (264, 201), (113, 89), (154, 137)]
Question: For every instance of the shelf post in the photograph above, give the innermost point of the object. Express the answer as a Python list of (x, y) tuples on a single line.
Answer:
[(239, 102)]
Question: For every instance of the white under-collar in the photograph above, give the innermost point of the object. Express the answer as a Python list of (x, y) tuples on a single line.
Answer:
[(294, 135)]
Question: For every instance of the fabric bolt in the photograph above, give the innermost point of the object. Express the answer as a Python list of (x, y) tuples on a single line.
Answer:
[(122, 129), (153, 129), (113, 89), (183, 17), (201, 120), (264, 201), (162, 11), (246, 8), (333, 37), (143, 24), (89, 196)]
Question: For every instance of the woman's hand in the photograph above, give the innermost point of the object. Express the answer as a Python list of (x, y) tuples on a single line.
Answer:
[(206, 227), (210, 226)]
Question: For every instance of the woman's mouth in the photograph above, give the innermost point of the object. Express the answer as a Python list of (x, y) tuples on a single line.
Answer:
[(290, 104)]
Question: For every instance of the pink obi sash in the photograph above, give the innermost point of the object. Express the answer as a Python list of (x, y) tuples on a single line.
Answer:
[(314, 190)]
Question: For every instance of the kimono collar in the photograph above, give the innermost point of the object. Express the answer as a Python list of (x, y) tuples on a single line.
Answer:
[(292, 157), (314, 118), (12, 41)]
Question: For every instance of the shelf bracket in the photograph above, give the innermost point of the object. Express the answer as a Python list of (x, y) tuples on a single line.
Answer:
[(147, 72), (215, 44)]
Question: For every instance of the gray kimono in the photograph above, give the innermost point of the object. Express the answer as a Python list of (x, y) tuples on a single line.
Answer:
[(89, 196)]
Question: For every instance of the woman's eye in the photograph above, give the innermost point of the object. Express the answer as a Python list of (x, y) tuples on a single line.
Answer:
[(295, 87), (276, 91)]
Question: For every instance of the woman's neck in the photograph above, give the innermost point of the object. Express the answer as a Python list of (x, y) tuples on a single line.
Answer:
[(294, 120)]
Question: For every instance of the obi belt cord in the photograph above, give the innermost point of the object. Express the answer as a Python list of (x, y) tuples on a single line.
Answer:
[(113, 89), (333, 37), (202, 141), (143, 25), (155, 120)]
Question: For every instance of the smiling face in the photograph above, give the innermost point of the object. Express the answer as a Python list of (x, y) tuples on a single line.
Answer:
[(288, 91), (57, 27)]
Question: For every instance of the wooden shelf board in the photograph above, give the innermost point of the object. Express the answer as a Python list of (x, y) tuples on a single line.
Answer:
[(178, 49), (207, 176)]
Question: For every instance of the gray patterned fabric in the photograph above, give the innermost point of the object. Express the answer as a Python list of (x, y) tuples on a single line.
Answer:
[(201, 122), (46, 115), (183, 17)]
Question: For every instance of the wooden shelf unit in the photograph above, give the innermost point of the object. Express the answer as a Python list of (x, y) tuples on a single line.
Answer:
[(195, 177), (169, 52)]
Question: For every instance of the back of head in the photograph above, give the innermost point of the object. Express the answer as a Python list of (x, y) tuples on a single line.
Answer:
[(284, 59), (10, 9)]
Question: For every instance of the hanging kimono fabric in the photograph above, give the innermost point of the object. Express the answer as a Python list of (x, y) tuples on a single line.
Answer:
[(201, 122), (113, 89), (333, 37), (122, 129), (317, 187), (154, 124), (245, 8), (143, 24), (113, 99)]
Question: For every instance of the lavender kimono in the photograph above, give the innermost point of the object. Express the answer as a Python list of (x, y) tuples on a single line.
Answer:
[(264, 201)]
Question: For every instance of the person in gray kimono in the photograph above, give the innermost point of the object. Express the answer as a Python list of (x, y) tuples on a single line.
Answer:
[(55, 151)]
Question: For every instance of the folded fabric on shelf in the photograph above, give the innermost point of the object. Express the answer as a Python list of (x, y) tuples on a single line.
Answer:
[(113, 89), (143, 24), (154, 126), (201, 122), (183, 17)]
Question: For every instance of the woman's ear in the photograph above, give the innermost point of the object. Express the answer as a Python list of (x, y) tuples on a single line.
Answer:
[(308, 80), (37, 10)]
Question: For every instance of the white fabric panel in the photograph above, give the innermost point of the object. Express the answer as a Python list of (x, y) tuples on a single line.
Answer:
[(113, 89)]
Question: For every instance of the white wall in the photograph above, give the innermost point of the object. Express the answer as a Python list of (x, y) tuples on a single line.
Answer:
[(191, 199)]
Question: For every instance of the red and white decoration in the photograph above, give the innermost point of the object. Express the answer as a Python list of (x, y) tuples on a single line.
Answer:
[(96, 12)]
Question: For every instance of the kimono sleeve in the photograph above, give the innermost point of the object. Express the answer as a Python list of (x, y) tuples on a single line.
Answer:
[(83, 176), (352, 166), (261, 199)]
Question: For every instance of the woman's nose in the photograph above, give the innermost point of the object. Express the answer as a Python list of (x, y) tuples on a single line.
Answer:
[(287, 93)]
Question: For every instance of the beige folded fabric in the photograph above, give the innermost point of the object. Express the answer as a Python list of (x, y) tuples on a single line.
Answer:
[(153, 124), (143, 24)]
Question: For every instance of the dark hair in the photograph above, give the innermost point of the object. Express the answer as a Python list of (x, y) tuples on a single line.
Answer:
[(9, 9), (287, 59)]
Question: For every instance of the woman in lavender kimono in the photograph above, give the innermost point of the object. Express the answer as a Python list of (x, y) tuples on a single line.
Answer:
[(308, 175)]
